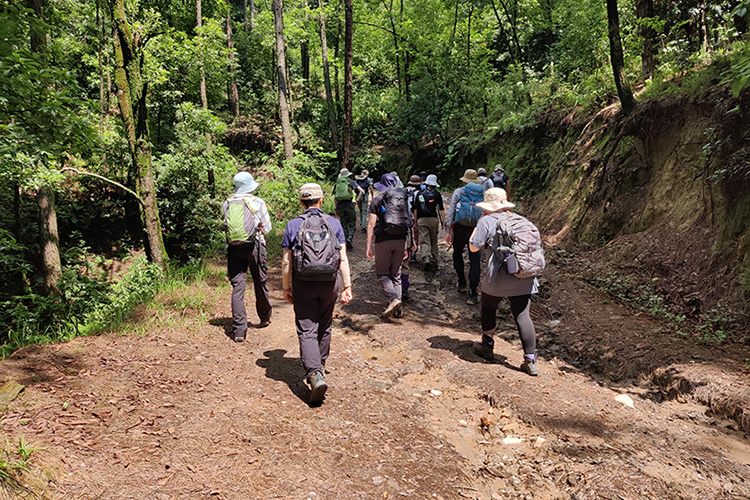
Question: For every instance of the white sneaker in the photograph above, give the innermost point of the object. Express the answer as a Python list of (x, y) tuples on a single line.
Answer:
[(394, 305)]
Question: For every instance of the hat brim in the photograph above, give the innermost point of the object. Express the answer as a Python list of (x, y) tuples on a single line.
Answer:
[(248, 188), (468, 180), (489, 206), (360, 177)]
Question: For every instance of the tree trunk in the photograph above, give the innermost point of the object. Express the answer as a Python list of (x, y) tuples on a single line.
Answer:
[(244, 15), (705, 46), (199, 24), (468, 37), (644, 9), (615, 51), (327, 82), (252, 14), (234, 96), (305, 60), (131, 97), (286, 132), (50, 240), (396, 49), (348, 93), (100, 48), (336, 52)]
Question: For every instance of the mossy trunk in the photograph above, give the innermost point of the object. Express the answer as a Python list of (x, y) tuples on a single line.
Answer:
[(131, 97)]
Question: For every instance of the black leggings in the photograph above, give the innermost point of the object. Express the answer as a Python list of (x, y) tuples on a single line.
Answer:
[(519, 307)]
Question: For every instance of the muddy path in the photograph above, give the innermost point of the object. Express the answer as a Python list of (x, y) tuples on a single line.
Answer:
[(174, 409)]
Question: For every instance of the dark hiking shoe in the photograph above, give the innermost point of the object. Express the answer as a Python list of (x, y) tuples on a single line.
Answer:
[(393, 306), (462, 289), (404, 294), (483, 350), (349, 245), (318, 387), (399, 313), (264, 323), (473, 299), (529, 367), (239, 338), (413, 258)]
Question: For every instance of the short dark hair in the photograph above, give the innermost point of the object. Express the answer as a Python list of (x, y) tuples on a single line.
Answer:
[(311, 202)]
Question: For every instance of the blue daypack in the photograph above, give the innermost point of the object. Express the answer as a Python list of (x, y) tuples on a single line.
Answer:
[(467, 211)]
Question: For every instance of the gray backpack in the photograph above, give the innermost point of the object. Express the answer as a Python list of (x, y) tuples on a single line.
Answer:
[(317, 251), (518, 244)]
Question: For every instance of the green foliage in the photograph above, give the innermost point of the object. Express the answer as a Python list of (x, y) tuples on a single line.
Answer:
[(14, 461), (718, 325)]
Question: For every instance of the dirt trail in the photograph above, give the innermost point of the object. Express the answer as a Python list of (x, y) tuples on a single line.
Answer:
[(178, 410)]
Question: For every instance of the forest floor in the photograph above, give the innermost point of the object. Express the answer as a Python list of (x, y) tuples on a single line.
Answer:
[(171, 407)]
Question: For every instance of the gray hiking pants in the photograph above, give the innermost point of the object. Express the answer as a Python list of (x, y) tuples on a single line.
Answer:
[(239, 260), (389, 255), (428, 238), (313, 314)]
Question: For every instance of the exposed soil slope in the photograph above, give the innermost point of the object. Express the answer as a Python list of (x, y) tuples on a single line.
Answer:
[(175, 409)]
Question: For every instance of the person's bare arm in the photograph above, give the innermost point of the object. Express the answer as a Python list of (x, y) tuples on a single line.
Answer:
[(371, 221), (346, 279), (286, 275)]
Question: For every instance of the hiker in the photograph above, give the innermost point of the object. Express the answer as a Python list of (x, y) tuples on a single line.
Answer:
[(500, 179), (314, 267), (343, 191), (486, 181), (246, 220), (461, 220), (363, 199), (429, 213), (498, 283), (387, 229), (413, 187)]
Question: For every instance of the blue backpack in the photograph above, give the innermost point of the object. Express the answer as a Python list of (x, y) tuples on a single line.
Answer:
[(467, 211)]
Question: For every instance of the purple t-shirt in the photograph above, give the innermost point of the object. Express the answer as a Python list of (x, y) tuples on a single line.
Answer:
[(292, 229)]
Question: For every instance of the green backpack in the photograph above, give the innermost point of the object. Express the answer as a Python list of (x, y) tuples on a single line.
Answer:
[(241, 221), (341, 189)]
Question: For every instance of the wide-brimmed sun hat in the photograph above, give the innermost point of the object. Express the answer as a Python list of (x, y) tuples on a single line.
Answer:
[(495, 199), (345, 172), (432, 180), (415, 180), (244, 183), (387, 181), (498, 168), (471, 176), (363, 175), (310, 191)]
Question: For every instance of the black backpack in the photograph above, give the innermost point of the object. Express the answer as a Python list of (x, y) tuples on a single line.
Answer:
[(499, 179), (427, 203), (395, 219), (317, 251)]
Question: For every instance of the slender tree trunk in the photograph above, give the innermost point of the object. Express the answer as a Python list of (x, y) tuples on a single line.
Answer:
[(234, 96), (513, 21), (407, 76), (50, 240), (396, 49), (131, 97), (618, 65), (705, 46), (286, 131), (199, 23), (252, 14), (348, 93), (336, 55), (503, 34), (327, 82), (100, 48), (644, 9), (244, 15), (468, 37), (305, 60)]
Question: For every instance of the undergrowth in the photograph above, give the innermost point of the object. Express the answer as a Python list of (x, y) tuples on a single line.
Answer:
[(15, 459)]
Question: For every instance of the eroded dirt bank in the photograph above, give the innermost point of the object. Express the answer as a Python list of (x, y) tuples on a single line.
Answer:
[(177, 410)]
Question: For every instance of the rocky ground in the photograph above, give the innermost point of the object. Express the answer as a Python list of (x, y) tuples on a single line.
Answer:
[(170, 407)]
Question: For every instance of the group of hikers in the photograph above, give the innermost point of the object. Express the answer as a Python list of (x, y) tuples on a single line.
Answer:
[(402, 224)]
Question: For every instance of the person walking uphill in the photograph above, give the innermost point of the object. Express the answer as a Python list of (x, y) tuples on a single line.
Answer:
[(429, 214), (246, 220), (314, 267), (461, 220), (516, 256), (387, 228), (363, 199), (343, 191)]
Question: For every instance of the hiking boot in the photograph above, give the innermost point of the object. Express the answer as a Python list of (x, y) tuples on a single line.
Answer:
[(462, 289), (318, 387), (473, 299), (483, 350), (264, 323), (529, 367), (412, 258), (399, 313), (393, 306), (239, 338), (404, 294)]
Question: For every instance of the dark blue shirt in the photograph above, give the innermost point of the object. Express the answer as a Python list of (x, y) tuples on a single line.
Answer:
[(292, 229)]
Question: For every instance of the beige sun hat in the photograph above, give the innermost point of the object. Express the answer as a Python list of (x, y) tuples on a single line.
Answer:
[(471, 176), (310, 191), (495, 199)]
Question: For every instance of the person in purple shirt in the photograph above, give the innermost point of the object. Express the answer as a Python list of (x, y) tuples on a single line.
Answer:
[(314, 301)]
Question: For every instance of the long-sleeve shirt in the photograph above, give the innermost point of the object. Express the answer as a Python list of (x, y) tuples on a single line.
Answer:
[(260, 209), (452, 208)]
